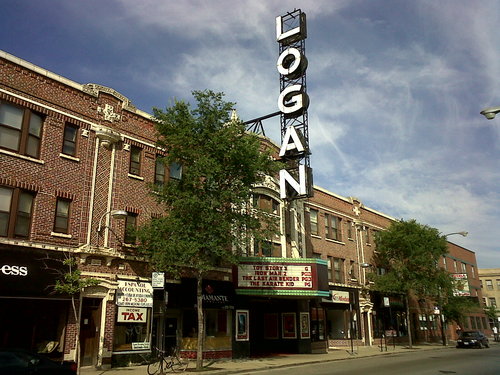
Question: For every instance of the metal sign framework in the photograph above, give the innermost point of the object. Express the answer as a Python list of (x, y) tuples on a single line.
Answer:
[(293, 101), (292, 21)]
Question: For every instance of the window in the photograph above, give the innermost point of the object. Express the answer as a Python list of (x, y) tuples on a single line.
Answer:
[(367, 231), (130, 228), (15, 212), (61, 221), (493, 301), (127, 333), (266, 203), (352, 270), (489, 285), (464, 268), (444, 262), (267, 249), (135, 160), (20, 130), (337, 275), (498, 284), (332, 227), (313, 217), (175, 171), (349, 229), (69, 140), (159, 171)]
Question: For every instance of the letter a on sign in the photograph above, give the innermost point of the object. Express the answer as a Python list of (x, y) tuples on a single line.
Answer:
[(296, 146)]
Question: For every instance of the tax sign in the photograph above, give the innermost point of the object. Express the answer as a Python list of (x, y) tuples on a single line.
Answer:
[(132, 315), (134, 293)]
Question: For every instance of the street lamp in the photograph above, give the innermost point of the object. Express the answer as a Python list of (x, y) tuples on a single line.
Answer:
[(117, 214), (490, 112), (462, 233)]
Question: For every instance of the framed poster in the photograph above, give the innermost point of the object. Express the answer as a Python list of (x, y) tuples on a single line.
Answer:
[(242, 325), (271, 326), (289, 327), (304, 326)]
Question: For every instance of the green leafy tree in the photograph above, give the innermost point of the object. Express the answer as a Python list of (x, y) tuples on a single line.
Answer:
[(491, 312), (210, 218), (455, 308), (410, 252), (72, 284)]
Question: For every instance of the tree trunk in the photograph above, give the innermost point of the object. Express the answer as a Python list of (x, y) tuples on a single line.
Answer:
[(408, 320), (77, 338), (201, 322)]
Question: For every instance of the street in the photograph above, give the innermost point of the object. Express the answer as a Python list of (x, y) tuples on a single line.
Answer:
[(428, 362)]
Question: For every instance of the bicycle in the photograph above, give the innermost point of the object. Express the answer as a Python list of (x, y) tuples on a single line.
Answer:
[(161, 362)]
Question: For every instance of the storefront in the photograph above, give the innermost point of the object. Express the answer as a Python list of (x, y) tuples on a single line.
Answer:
[(132, 331), (32, 315), (176, 321), (279, 306), (341, 317)]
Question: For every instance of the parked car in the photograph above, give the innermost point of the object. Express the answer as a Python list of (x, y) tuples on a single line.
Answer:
[(22, 362), (471, 339)]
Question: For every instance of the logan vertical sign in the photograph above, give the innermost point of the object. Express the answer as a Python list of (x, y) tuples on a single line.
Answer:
[(293, 101)]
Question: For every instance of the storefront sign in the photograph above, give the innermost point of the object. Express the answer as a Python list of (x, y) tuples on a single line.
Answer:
[(280, 277), (339, 296), (134, 293), (461, 285), (30, 272), (10, 270), (132, 315)]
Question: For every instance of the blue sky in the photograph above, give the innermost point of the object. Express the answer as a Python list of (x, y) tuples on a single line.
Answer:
[(395, 87)]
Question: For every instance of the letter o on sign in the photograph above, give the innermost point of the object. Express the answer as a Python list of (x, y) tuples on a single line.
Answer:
[(291, 63)]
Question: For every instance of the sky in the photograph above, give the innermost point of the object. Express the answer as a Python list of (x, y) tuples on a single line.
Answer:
[(395, 87)]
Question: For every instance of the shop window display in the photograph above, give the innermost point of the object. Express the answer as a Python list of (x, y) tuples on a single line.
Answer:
[(133, 336), (217, 330)]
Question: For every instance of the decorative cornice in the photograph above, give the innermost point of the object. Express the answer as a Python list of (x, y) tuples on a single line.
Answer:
[(94, 90)]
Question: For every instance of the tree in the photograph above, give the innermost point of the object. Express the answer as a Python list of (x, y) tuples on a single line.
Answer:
[(410, 252), (492, 314), (210, 219), (455, 308), (72, 284)]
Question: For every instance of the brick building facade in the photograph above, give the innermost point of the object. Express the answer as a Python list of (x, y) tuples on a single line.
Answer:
[(65, 168)]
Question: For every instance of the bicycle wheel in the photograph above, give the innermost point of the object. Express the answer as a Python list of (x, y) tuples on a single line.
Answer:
[(154, 367), (179, 364)]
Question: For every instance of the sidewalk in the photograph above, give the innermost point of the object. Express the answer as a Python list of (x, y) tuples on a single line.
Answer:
[(237, 366)]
